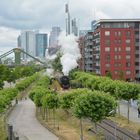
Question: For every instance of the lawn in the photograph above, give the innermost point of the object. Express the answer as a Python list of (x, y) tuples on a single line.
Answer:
[(66, 126)]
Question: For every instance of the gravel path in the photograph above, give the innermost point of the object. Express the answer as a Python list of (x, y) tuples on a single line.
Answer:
[(25, 123)]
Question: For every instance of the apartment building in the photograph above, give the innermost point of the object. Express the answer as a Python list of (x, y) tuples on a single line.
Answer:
[(115, 48)]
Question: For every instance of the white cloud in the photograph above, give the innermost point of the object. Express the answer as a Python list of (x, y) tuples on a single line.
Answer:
[(16, 15)]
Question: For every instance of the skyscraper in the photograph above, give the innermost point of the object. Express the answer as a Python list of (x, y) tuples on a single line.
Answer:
[(67, 19), (41, 44), (27, 42), (54, 34), (33, 43), (74, 27)]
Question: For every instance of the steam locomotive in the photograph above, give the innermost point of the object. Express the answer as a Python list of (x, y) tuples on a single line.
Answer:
[(64, 82)]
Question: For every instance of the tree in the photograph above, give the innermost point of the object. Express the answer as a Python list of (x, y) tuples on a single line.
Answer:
[(11, 77), (1, 84), (52, 102), (121, 75), (108, 74), (95, 105), (56, 63)]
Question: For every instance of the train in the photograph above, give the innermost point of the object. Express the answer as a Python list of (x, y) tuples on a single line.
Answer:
[(64, 82)]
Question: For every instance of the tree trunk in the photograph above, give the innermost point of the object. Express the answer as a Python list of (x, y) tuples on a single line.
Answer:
[(128, 103), (46, 115), (118, 102), (54, 116), (81, 130)]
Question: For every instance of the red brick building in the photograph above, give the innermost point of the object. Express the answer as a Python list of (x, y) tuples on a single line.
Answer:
[(117, 52), (115, 48)]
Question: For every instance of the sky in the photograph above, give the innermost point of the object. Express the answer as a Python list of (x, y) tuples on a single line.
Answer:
[(18, 15)]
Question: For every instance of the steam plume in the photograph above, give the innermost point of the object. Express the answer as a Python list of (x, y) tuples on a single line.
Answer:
[(70, 52)]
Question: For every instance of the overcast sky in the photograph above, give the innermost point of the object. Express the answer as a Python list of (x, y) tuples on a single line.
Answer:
[(17, 15)]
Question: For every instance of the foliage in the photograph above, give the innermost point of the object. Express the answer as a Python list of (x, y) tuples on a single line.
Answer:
[(56, 64), (1, 84), (6, 95), (108, 74), (44, 81), (51, 101), (26, 82), (118, 89), (67, 100), (95, 105)]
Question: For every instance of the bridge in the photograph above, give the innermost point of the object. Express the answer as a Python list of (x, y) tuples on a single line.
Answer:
[(17, 53)]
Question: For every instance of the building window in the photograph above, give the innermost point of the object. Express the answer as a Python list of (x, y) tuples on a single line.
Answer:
[(137, 48), (137, 55), (107, 57), (127, 41), (107, 65), (128, 72), (137, 40), (127, 49), (119, 49), (128, 64), (107, 42), (107, 49), (117, 57), (137, 71), (117, 41), (107, 33), (128, 56), (116, 72), (117, 33), (128, 33), (137, 63), (115, 49), (117, 65)]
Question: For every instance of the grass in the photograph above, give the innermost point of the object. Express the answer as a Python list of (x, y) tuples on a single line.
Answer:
[(66, 126), (2, 128), (123, 122)]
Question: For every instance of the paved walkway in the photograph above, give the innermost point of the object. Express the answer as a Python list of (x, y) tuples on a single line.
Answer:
[(26, 125), (133, 112)]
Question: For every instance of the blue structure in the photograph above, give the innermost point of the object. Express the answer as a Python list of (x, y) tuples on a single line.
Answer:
[(41, 44)]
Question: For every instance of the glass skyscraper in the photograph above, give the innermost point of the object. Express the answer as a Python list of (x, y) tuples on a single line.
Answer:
[(41, 44)]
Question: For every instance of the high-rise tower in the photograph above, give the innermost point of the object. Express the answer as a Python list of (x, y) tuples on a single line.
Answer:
[(67, 19)]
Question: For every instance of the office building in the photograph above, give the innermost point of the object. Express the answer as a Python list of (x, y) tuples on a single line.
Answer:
[(41, 45), (54, 34), (74, 27), (33, 43)]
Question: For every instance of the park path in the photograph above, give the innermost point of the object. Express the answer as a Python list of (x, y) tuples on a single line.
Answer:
[(25, 123)]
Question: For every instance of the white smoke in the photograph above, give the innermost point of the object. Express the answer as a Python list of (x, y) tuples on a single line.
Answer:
[(70, 52), (48, 56), (49, 72)]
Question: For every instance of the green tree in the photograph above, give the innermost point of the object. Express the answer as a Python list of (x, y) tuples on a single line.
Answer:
[(56, 63), (121, 75), (52, 102), (95, 105), (1, 84), (108, 74)]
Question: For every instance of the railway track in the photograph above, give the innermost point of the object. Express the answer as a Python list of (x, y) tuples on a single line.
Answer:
[(113, 132)]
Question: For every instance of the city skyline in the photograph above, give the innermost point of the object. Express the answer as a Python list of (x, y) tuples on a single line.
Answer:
[(33, 14)]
